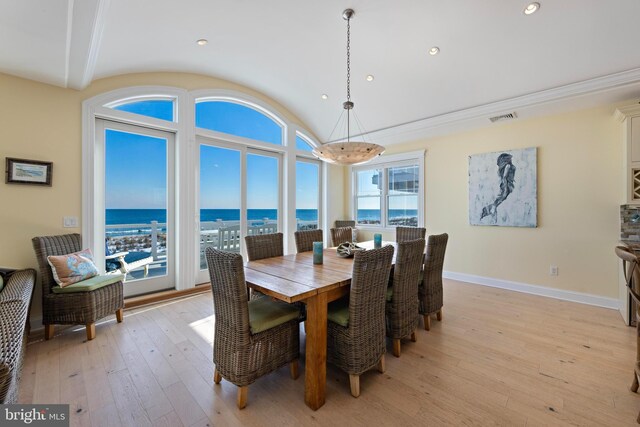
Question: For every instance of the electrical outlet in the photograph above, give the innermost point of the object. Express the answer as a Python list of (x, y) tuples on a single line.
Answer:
[(70, 222), (553, 270)]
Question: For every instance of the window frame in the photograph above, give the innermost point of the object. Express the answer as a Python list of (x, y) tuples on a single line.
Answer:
[(186, 167), (414, 158)]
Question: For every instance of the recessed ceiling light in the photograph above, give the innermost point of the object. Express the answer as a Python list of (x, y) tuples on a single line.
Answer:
[(434, 50), (324, 96), (370, 77), (202, 42), (531, 8)]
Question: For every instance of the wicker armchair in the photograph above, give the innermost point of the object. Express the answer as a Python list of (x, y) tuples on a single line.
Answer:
[(345, 223), (77, 308), (252, 338), (15, 300), (632, 277), (341, 235), (404, 234), (305, 239), (356, 325), (402, 296), (430, 288)]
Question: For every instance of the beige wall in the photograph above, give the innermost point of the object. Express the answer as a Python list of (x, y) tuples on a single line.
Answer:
[(579, 193), (44, 122)]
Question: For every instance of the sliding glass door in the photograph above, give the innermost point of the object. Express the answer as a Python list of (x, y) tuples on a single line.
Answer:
[(239, 195)]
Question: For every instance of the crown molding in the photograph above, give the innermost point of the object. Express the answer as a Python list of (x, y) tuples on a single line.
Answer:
[(479, 115), (622, 113)]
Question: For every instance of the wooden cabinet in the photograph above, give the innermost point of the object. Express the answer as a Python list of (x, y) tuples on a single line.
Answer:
[(630, 118)]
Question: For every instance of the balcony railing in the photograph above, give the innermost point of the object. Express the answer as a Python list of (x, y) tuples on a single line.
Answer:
[(152, 238)]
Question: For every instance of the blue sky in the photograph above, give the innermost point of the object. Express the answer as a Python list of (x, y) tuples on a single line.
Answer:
[(136, 164)]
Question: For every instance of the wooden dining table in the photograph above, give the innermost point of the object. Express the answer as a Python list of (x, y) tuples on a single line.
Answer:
[(293, 278)]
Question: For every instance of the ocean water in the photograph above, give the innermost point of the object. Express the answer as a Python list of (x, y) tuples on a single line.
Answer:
[(145, 216)]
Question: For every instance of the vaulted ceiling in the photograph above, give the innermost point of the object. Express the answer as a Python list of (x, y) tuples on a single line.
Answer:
[(494, 59)]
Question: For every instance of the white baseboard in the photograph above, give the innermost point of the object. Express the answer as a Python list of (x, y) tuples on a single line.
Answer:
[(543, 291)]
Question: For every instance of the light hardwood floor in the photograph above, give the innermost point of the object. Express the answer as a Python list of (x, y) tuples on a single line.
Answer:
[(498, 357)]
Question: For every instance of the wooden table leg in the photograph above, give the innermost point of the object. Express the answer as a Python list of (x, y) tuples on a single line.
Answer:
[(315, 377)]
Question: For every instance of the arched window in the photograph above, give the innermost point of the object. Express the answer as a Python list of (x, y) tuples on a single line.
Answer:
[(238, 119), (149, 190), (158, 108), (302, 144)]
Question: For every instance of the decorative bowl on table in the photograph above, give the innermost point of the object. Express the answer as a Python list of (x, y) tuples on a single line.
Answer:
[(348, 249)]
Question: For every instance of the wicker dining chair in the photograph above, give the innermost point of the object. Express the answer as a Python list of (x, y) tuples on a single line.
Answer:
[(430, 288), (341, 235), (356, 324), (402, 314), (262, 246), (76, 308), (339, 223), (404, 234), (252, 338), (632, 278), (304, 239)]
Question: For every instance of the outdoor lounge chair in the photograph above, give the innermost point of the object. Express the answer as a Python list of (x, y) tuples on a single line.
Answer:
[(125, 262)]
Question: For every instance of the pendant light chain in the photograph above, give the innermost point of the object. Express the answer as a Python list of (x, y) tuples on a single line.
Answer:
[(348, 78), (349, 59)]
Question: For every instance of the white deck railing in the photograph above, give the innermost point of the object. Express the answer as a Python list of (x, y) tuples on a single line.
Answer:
[(219, 234)]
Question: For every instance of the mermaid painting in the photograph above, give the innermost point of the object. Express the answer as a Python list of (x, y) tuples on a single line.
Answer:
[(506, 173)]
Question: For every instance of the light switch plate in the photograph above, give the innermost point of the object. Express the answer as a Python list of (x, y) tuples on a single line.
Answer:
[(70, 222)]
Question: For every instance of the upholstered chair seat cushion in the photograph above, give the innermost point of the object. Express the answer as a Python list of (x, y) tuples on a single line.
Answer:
[(90, 284), (338, 312), (265, 313)]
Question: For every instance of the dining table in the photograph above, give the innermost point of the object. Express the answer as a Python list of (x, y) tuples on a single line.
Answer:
[(295, 278)]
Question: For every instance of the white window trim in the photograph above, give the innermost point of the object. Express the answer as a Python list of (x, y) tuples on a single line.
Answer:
[(187, 218), (384, 162)]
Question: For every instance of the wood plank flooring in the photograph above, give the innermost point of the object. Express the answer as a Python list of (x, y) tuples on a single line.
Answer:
[(497, 358)]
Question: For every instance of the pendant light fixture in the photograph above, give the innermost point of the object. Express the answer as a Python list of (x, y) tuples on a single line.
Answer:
[(345, 151)]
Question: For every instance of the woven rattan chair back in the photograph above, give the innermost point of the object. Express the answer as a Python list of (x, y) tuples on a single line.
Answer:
[(341, 235), (305, 239), (263, 246), (402, 310), (431, 292), (53, 245), (345, 223), (231, 309), (404, 234), (369, 281)]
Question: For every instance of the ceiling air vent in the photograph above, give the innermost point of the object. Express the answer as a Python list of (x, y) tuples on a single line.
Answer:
[(503, 117)]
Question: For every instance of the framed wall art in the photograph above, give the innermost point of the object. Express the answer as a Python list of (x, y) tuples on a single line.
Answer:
[(503, 188), (23, 171)]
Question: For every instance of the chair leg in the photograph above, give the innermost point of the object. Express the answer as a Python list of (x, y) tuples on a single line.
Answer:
[(216, 376), (91, 331), (427, 322), (243, 393), (354, 382), (48, 331), (439, 315), (396, 347), (634, 385), (293, 368), (413, 336), (119, 314), (381, 365)]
